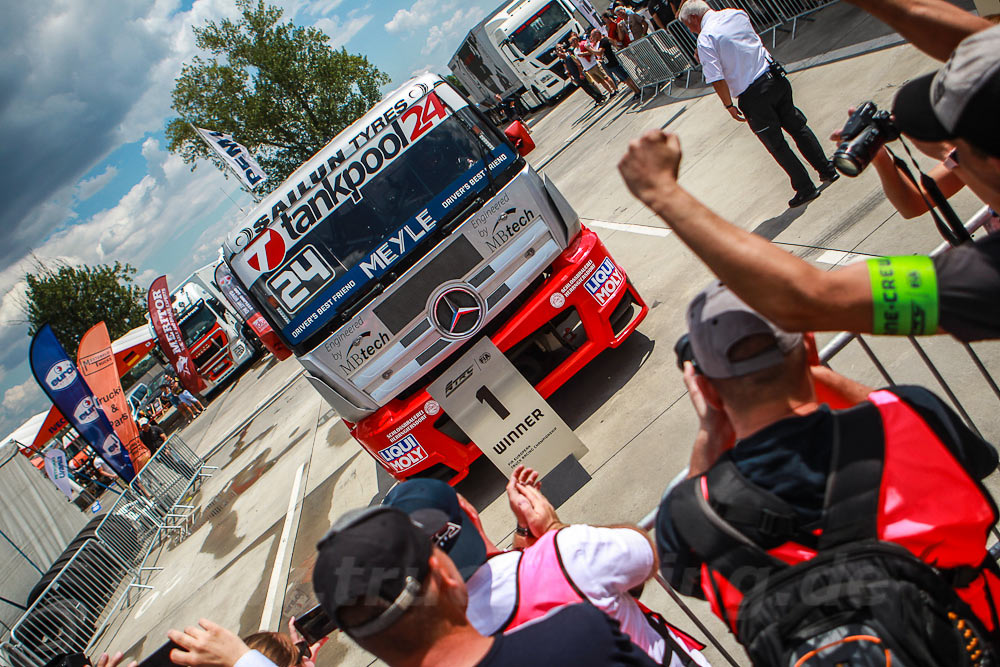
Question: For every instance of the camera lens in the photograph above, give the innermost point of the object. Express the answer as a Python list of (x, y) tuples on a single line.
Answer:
[(847, 164)]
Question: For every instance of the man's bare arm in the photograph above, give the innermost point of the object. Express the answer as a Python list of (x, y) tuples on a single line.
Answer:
[(786, 289), (722, 90), (933, 26)]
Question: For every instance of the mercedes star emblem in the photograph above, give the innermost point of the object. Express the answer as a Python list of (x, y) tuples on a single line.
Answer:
[(457, 312)]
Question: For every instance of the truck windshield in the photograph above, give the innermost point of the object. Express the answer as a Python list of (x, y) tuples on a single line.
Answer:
[(540, 27), (364, 243), (196, 324)]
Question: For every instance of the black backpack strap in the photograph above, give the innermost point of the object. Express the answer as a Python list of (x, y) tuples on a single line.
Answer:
[(719, 544), (766, 519), (850, 510)]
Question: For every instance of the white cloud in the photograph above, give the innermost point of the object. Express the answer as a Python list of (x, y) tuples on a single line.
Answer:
[(450, 29), (417, 16), (22, 396), (89, 187), (341, 31)]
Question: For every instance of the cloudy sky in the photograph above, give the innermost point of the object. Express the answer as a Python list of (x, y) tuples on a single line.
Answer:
[(84, 95)]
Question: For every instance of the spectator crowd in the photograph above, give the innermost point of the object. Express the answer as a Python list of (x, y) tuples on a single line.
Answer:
[(825, 522)]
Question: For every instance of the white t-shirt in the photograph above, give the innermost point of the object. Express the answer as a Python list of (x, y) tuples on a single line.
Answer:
[(604, 564), (586, 59), (729, 48), (253, 659)]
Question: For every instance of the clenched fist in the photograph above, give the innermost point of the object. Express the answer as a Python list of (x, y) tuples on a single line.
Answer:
[(650, 166)]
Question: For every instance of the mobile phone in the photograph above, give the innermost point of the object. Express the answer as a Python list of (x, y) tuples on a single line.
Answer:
[(314, 624), (160, 657)]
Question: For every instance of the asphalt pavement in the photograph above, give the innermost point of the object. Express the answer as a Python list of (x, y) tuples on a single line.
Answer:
[(288, 467)]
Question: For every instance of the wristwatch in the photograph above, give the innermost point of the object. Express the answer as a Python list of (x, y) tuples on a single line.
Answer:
[(522, 531)]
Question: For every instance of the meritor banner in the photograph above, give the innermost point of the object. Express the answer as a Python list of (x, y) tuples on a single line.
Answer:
[(96, 362), (63, 384), (161, 314), (241, 303)]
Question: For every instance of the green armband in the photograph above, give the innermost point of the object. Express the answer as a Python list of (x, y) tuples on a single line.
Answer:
[(904, 295)]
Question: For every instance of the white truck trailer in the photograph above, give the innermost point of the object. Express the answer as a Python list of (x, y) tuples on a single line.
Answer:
[(512, 52)]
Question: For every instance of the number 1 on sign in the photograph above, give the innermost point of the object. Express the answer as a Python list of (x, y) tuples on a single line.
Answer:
[(487, 397)]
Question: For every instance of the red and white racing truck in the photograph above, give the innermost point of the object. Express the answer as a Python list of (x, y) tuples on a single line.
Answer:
[(412, 234)]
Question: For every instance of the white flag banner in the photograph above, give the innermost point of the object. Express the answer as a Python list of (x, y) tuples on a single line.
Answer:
[(235, 155), (58, 471), (589, 13)]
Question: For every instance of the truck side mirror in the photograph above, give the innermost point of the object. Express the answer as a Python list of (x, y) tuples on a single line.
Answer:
[(520, 137)]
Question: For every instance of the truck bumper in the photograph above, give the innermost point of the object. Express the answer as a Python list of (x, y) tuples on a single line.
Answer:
[(585, 306)]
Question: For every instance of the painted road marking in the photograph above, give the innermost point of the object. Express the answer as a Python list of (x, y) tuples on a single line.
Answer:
[(279, 575), (840, 257), (626, 227)]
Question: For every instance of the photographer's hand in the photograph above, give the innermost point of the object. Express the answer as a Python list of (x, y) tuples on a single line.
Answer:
[(715, 433)]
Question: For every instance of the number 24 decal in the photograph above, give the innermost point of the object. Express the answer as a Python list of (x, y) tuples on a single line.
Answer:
[(425, 115)]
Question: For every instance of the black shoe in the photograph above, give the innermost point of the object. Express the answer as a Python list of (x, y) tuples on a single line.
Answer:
[(831, 177), (801, 198)]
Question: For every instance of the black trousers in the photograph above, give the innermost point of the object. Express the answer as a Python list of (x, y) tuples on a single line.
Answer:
[(768, 107), (589, 88)]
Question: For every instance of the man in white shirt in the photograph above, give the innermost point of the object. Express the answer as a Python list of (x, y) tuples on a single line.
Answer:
[(552, 565), (737, 65)]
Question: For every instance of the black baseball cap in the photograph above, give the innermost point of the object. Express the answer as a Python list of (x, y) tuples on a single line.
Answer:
[(717, 320), (958, 101), (378, 557), (460, 539)]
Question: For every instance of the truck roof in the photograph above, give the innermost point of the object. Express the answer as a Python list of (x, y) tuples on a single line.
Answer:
[(515, 14), (347, 142)]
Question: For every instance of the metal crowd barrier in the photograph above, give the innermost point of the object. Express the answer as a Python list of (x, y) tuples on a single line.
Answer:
[(664, 55), (81, 600), (172, 471), (71, 610), (830, 350)]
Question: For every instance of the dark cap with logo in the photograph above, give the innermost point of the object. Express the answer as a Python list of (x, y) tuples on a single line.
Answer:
[(961, 100), (717, 320), (375, 557), (460, 539)]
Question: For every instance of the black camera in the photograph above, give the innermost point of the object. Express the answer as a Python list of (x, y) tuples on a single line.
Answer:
[(866, 131), (684, 352)]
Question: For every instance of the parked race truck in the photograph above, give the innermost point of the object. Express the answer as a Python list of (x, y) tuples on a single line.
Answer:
[(512, 52), (211, 332), (410, 236)]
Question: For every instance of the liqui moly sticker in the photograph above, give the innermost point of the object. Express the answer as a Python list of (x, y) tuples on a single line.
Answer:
[(606, 281), (403, 455)]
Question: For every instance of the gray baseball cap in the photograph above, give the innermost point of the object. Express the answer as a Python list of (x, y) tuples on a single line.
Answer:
[(717, 320), (958, 101)]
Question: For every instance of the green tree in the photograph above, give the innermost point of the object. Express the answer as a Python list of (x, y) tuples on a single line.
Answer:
[(278, 88), (453, 80), (74, 298)]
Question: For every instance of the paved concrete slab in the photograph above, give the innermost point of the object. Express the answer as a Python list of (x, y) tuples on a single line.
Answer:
[(629, 406)]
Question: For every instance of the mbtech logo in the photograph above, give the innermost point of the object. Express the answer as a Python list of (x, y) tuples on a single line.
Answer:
[(504, 231)]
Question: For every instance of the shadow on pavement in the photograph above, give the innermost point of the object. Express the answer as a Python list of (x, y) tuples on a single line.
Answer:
[(601, 379), (771, 227)]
